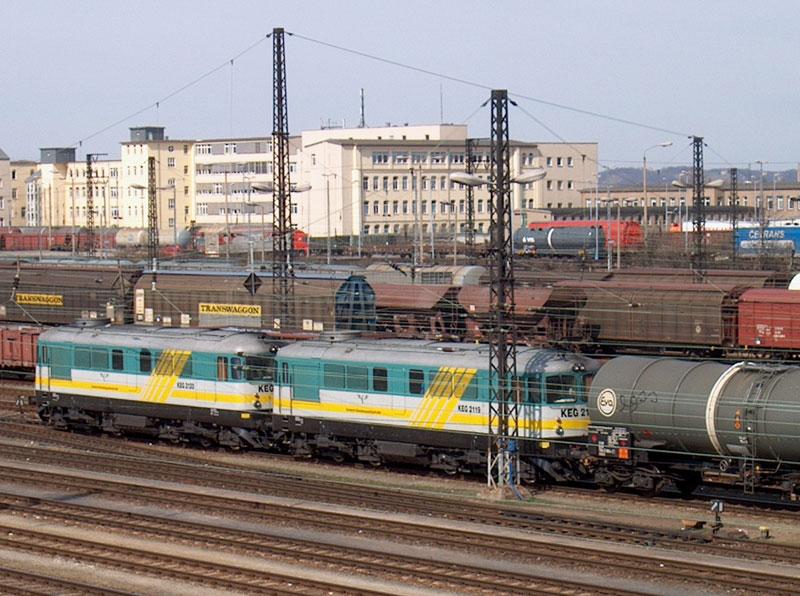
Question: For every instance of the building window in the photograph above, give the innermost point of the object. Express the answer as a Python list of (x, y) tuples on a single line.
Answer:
[(405, 183), (549, 185), (203, 149), (171, 148), (365, 183), (395, 207), (424, 183), (386, 184), (375, 183), (170, 162), (549, 162), (229, 148), (559, 162), (569, 184), (433, 182), (424, 207), (437, 157), (395, 182), (456, 158), (480, 205), (376, 207), (386, 207), (366, 207), (401, 157), (405, 207), (443, 182), (380, 159), (418, 157), (570, 162)]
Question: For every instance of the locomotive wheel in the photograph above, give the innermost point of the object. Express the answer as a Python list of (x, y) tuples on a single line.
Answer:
[(688, 483)]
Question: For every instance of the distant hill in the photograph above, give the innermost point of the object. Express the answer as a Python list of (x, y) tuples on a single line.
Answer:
[(632, 177)]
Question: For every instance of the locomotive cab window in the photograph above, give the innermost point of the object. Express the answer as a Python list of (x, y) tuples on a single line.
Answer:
[(145, 361), (259, 368), (237, 368), (222, 368), (416, 382), (534, 383), (562, 389), (334, 376)]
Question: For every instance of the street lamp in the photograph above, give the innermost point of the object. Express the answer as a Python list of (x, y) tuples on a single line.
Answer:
[(644, 180), (532, 175)]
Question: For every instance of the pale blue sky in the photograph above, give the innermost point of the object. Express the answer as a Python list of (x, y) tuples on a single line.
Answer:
[(725, 70)]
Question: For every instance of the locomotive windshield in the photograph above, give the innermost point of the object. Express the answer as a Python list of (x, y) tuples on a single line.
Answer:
[(259, 368), (562, 389)]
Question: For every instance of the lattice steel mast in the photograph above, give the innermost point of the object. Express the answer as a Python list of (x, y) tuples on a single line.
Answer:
[(90, 239), (152, 213), (698, 202), (469, 168), (282, 275), (734, 208), (503, 402)]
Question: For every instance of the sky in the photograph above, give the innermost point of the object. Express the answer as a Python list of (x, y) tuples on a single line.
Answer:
[(82, 72)]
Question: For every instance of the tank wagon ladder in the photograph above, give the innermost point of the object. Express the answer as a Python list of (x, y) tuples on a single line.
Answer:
[(749, 421)]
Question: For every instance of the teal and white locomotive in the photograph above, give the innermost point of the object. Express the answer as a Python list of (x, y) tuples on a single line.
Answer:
[(371, 400)]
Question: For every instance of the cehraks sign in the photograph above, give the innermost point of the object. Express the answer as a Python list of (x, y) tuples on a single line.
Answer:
[(230, 310)]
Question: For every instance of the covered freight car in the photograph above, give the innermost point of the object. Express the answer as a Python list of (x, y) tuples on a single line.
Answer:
[(58, 293), (681, 317), (194, 298)]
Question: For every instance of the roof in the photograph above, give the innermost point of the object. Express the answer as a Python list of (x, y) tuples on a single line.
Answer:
[(404, 296), (3, 155), (227, 340), (775, 297), (429, 353), (475, 299)]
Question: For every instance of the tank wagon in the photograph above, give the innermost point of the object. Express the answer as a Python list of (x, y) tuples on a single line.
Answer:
[(577, 238), (195, 298), (656, 420), (374, 401)]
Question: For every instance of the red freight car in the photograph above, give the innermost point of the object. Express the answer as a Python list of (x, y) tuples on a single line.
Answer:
[(18, 346), (770, 319)]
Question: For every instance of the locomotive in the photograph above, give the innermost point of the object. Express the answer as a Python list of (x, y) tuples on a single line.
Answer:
[(366, 400)]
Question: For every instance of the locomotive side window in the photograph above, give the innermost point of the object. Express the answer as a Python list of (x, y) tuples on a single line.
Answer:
[(258, 368), (358, 378), (117, 362), (83, 358), (44, 355), (222, 368), (561, 389), (380, 379), (60, 362), (145, 361), (100, 359), (535, 389), (334, 376), (416, 382)]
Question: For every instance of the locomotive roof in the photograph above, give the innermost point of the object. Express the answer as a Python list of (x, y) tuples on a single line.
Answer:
[(431, 353), (227, 340)]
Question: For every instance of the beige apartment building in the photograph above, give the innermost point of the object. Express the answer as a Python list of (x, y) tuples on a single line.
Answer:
[(21, 171), (392, 180)]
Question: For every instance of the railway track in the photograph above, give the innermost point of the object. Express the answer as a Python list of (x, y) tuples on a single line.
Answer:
[(657, 566), (23, 583), (408, 569), (292, 486)]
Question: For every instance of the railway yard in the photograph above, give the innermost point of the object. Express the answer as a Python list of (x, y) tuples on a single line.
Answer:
[(90, 514)]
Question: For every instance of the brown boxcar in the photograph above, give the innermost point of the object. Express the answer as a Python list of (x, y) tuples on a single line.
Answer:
[(769, 319), (18, 346), (672, 316)]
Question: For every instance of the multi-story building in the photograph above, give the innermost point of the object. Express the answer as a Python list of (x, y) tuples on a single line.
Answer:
[(21, 171), (230, 176), (395, 180), (174, 170), (5, 189)]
